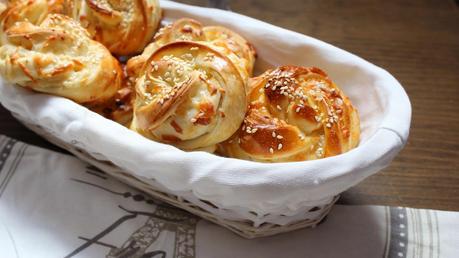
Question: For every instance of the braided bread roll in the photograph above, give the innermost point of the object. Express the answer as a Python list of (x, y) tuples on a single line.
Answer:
[(125, 27), (229, 43), (189, 95), (295, 114), (59, 57)]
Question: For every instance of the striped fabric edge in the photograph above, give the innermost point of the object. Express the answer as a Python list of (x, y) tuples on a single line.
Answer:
[(414, 233), (399, 233)]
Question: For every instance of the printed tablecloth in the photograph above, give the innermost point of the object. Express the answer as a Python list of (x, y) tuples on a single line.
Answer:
[(54, 205)]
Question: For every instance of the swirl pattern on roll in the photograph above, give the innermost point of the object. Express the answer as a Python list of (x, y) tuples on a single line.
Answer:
[(125, 27), (189, 95), (228, 42), (294, 114)]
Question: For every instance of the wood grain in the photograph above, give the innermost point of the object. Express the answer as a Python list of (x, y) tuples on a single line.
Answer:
[(418, 42)]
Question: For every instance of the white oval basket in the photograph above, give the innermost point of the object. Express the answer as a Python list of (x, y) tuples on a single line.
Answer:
[(252, 199)]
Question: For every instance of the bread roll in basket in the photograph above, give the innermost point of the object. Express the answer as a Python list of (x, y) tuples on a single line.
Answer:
[(180, 78), (294, 114), (250, 198), (57, 56), (125, 27)]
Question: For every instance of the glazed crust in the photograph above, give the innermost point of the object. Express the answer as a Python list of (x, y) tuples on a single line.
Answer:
[(232, 43), (181, 30), (295, 114), (58, 57), (229, 43), (189, 95)]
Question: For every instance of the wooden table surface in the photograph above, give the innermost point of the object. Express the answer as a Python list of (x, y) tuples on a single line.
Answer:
[(415, 40)]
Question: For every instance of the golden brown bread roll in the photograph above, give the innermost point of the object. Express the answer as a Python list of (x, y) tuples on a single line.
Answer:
[(295, 114), (125, 27), (189, 95), (224, 40), (59, 57)]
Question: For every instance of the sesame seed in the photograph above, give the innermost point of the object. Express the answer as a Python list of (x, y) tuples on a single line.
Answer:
[(279, 137), (274, 134), (271, 150), (193, 120), (297, 109), (279, 146), (328, 125), (187, 56), (278, 107)]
